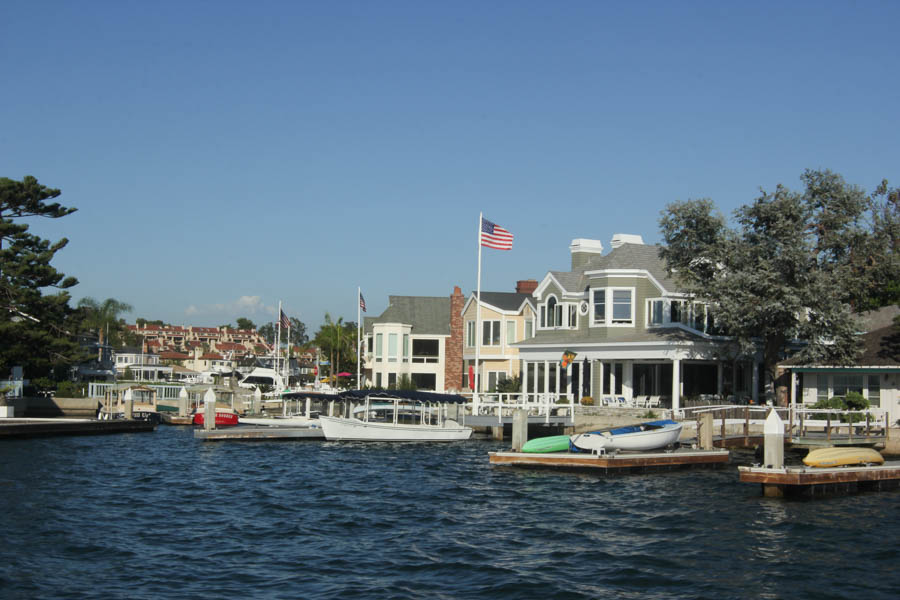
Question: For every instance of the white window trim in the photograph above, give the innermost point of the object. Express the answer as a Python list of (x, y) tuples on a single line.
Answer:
[(564, 307), (611, 321)]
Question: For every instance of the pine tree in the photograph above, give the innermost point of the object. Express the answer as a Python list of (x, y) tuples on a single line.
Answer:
[(35, 325)]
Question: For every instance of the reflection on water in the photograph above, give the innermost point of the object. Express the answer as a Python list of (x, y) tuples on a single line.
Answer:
[(160, 515)]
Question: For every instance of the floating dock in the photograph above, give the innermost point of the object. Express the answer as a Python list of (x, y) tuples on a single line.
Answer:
[(259, 434), (622, 462), (28, 428), (808, 482)]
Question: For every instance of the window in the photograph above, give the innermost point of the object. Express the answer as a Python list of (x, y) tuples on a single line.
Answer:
[(847, 383), (875, 390), (405, 347), (490, 333), (655, 310), (470, 334), (392, 347), (494, 378), (379, 345), (621, 306), (510, 332), (573, 316), (677, 311), (551, 313), (529, 328), (599, 306)]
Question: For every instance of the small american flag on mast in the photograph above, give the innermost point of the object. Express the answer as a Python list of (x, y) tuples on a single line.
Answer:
[(494, 236), (285, 322), (362, 302)]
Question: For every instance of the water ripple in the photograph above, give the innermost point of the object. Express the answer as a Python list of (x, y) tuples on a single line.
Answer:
[(163, 516)]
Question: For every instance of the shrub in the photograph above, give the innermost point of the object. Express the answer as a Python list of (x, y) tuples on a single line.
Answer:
[(67, 389)]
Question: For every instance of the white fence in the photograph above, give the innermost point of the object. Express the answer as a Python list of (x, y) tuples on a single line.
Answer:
[(504, 405), (797, 416), (163, 392)]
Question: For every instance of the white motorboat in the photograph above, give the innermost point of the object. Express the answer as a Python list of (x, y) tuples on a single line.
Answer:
[(397, 416), (651, 435)]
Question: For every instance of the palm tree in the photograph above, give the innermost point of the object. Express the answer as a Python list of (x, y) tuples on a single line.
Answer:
[(103, 315), (332, 339)]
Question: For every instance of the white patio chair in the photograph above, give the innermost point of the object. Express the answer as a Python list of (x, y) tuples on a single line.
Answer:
[(653, 402)]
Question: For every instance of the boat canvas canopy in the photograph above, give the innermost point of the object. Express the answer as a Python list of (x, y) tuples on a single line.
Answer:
[(409, 395)]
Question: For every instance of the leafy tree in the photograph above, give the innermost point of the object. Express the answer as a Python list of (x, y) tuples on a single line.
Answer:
[(298, 332), (244, 323), (36, 327), (103, 316), (267, 332), (794, 268), (333, 340)]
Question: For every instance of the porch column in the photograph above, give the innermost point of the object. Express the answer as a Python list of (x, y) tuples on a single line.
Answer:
[(546, 377), (792, 397), (569, 379), (754, 392), (558, 377), (525, 379), (628, 380), (600, 383), (676, 384)]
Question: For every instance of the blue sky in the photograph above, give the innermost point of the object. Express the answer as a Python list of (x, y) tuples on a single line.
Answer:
[(225, 155)]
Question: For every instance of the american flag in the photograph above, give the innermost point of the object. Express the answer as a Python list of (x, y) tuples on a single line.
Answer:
[(362, 302), (285, 322), (494, 236)]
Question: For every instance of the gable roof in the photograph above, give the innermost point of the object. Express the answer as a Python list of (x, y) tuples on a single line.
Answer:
[(502, 301), (426, 314), (639, 257)]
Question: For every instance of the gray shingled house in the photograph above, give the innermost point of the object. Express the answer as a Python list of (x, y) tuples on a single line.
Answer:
[(635, 334)]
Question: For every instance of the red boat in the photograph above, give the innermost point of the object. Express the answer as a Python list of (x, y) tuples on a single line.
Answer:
[(225, 417)]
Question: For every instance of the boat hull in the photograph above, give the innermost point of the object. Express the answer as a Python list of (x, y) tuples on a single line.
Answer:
[(223, 419), (637, 438), (543, 445), (279, 421), (841, 457), (336, 428)]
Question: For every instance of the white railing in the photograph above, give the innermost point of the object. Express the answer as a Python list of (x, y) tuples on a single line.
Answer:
[(795, 416), (163, 392), (505, 404)]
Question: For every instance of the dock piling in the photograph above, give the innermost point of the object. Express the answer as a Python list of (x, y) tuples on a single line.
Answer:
[(519, 429), (209, 410)]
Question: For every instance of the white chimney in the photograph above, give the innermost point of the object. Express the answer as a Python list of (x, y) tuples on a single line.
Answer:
[(582, 249), (619, 239)]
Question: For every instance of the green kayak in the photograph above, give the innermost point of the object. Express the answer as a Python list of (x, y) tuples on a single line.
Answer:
[(553, 443)]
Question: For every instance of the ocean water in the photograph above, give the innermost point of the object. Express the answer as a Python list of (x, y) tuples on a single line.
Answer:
[(160, 515)]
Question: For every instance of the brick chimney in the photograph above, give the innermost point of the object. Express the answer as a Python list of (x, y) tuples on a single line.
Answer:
[(453, 365), (526, 286)]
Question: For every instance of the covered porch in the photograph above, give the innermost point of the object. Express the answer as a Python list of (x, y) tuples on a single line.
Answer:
[(643, 382)]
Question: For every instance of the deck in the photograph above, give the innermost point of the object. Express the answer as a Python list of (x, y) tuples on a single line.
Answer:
[(811, 481), (243, 433), (623, 462)]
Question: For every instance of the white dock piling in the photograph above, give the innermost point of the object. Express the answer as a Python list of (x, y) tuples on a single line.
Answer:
[(209, 410), (773, 447)]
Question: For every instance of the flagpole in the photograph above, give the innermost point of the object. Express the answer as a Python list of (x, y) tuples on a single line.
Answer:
[(477, 321), (278, 339), (358, 325)]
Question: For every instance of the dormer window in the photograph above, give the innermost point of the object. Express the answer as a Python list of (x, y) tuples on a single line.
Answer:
[(558, 315)]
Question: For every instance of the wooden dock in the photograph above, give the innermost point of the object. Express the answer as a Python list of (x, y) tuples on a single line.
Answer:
[(805, 481), (243, 433), (29, 428), (622, 462)]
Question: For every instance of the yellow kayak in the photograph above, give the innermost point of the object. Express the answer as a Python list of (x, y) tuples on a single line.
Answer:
[(840, 457)]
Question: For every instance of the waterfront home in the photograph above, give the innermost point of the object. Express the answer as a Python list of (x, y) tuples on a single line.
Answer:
[(419, 337), (506, 318), (875, 374), (143, 365), (634, 333)]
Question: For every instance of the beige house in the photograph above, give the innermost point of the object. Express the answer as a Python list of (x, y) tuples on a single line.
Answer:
[(506, 318)]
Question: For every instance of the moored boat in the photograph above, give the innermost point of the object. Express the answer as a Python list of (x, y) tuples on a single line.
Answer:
[(550, 443), (842, 457), (650, 435), (141, 399), (225, 417), (397, 416)]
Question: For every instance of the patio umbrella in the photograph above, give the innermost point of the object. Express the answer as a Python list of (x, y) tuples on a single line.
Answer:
[(343, 374)]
